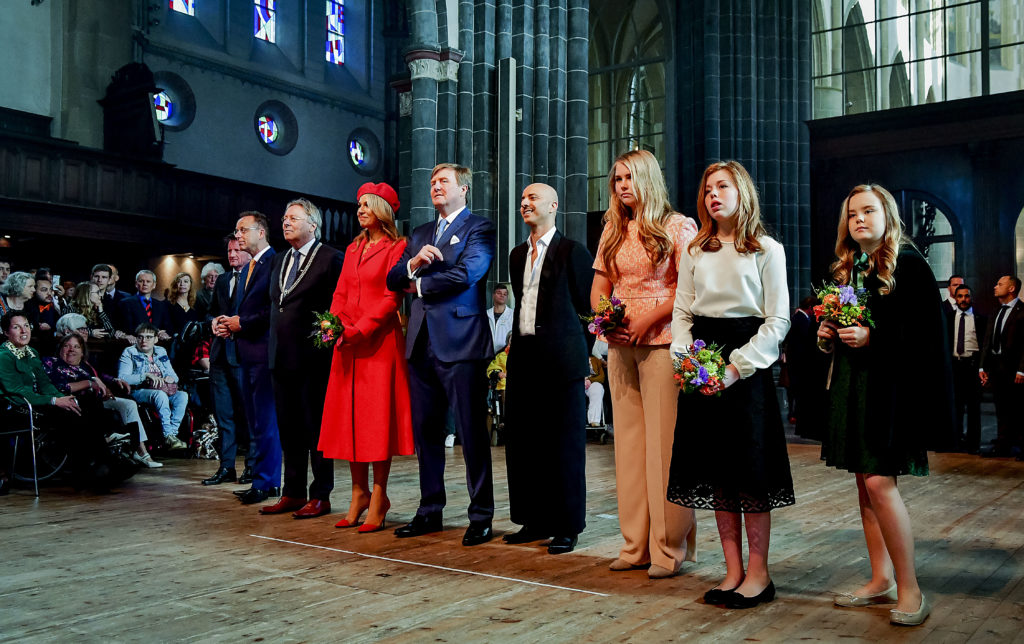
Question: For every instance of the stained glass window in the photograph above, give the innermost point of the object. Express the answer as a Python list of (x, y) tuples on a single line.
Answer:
[(163, 106), (336, 32), (268, 129), (187, 7), (357, 153), (265, 20)]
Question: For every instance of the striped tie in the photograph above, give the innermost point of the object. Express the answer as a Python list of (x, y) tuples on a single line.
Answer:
[(149, 309)]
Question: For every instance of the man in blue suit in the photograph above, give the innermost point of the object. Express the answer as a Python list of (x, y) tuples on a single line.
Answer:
[(250, 328), (141, 307), (448, 344)]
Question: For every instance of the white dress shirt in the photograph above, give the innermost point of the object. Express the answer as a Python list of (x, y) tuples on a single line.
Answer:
[(970, 333), (531, 284), (408, 267), (728, 284)]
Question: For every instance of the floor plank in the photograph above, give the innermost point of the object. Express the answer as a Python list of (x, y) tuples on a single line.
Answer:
[(165, 559)]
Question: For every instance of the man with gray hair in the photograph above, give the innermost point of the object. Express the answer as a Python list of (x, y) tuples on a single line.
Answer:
[(142, 307), (302, 283)]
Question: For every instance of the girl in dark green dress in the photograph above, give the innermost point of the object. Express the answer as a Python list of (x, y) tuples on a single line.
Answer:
[(879, 415)]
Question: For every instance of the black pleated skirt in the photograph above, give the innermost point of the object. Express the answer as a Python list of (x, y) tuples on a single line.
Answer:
[(729, 451)]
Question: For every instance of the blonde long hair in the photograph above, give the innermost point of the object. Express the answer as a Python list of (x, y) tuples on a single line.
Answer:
[(384, 214), (748, 212), (171, 293), (883, 260), (653, 210)]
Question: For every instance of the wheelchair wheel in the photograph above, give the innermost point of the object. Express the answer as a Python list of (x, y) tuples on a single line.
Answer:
[(51, 456)]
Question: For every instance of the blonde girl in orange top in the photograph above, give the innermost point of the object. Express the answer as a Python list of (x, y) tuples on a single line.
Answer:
[(637, 261)]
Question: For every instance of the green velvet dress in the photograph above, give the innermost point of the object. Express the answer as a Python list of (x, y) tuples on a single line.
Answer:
[(889, 400)]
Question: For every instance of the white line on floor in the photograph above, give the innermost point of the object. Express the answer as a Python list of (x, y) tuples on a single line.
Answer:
[(426, 565)]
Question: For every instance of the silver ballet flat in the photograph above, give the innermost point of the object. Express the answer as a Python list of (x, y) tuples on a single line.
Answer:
[(848, 600), (911, 619)]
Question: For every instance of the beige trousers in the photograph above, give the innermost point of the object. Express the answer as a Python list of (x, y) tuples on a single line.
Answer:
[(644, 397)]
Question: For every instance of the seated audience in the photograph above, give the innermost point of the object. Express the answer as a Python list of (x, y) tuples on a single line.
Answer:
[(147, 369), (104, 276), (5, 269), (17, 291), (43, 314), (72, 323), (22, 377), (71, 372), (143, 308), (208, 276), (89, 304)]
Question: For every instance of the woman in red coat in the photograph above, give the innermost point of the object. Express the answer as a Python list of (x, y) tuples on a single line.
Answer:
[(366, 412)]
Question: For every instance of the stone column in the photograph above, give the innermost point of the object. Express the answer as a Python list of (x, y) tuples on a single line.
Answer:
[(574, 199)]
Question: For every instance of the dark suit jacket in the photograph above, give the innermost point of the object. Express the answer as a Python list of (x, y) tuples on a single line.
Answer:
[(453, 305), (253, 310), (131, 313), (223, 304), (291, 319), (1011, 357), (563, 295)]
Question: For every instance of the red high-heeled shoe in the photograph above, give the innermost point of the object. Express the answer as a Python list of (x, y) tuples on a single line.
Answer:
[(344, 523), (372, 527)]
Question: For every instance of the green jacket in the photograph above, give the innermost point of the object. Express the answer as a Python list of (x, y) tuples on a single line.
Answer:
[(17, 376)]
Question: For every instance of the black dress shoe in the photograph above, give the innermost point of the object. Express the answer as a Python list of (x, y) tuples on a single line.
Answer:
[(252, 495), (736, 600), (562, 545), (246, 477), (525, 535), (223, 475), (477, 533), (420, 525)]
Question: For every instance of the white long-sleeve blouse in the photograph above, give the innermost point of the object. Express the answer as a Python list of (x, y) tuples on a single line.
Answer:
[(728, 284)]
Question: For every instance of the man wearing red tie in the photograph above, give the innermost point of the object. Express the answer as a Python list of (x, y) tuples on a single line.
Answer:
[(141, 307)]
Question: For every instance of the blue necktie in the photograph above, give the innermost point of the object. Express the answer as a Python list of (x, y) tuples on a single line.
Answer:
[(293, 272), (441, 227)]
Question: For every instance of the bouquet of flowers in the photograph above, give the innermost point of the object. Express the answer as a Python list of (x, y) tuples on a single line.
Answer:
[(844, 306), (327, 329), (608, 315), (702, 369)]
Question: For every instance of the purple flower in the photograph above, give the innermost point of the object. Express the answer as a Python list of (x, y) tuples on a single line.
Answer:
[(701, 378), (615, 301), (847, 295), (698, 345), (594, 328)]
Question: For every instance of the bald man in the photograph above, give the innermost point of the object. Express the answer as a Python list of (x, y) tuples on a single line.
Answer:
[(545, 391)]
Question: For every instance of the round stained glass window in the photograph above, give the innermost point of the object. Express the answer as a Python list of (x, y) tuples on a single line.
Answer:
[(268, 129), (357, 153), (163, 106)]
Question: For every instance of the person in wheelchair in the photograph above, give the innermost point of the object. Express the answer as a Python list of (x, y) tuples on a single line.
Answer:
[(70, 371), (23, 378), (147, 369), (594, 384), (496, 378)]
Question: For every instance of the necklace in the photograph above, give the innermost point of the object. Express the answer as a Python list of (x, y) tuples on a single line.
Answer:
[(302, 273)]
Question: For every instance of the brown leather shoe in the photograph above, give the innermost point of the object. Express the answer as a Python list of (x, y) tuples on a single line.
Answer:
[(285, 504), (315, 508)]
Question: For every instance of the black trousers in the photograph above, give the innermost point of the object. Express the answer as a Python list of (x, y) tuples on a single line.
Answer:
[(967, 399), (299, 398)]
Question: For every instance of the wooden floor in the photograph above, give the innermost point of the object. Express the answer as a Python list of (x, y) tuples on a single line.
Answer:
[(166, 559)]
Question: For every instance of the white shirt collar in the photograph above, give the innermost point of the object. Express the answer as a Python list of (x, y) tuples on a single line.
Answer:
[(545, 239), (260, 254), (451, 217), (305, 248)]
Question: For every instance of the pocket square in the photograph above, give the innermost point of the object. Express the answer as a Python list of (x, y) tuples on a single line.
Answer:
[(455, 240)]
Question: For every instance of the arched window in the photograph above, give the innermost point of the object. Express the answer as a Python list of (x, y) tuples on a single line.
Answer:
[(627, 87), (934, 228)]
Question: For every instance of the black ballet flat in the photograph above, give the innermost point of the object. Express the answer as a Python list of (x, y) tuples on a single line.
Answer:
[(737, 600), (719, 595)]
